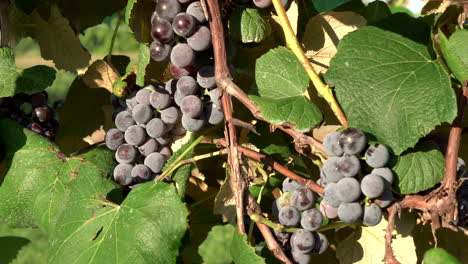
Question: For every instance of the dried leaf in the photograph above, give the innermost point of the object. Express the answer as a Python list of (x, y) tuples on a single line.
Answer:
[(320, 132), (438, 6), (324, 31), (225, 203), (100, 75)]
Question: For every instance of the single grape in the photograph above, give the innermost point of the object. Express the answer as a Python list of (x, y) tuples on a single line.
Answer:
[(331, 143), (372, 215), (384, 200), (214, 114), (187, 85), (282, 237), (348, 190), (160, 51), (327, 210), (156, 128), (349, 165), (321, 243), (123, 174), (160, 99), (161, 30), (303, 198), (182, 55), (114, 138), (171, 86), (290, 185), (330, 195), (181, 72), (350, 213), (191, 106), (302, 241), (170, 115), (142, 113), (196, 10), (117, 111), (183, 24), (166, 152), (168, 9), (330, 170), (200, 39), (148, 147), (124, 120), (141, 173), (311, 219), (142, 96), (385, 173), (289, 216), (372, 186), (262, 3), (301, 258), (155, 161), (178, 130), (125, 154), (43, 113), (191, 124), (135, 135), (206, 77), (352, 140), (163, 140), (377, 156)]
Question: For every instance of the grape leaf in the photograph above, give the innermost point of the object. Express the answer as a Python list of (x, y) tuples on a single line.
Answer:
[(33, 192), (68, 53), (390, 87), (281, 91), (138, 16), (367, 246), (376, 11), (11, 246), (455, 52), (147, 226), (100, 75), (418, 170), (30, 80), (439, 256), (323, 33), (327, 5), (248, 25), (224, 245)]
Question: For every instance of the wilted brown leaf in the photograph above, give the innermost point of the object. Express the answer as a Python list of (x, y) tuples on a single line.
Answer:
[(100, 75)]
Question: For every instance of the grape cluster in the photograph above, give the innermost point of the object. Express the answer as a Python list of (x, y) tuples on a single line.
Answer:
[(149, 119), (295, 208), (31, 111), (347, 194)]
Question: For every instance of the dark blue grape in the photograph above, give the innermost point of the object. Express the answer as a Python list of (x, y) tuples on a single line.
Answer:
[(372, 186), (114, 138), (350, 213), (331, 143), (352, 140), (289, 216), (377, 156), (302, 241)]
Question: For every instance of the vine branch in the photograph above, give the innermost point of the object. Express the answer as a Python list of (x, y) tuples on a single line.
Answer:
[(236, 181), (389, 258), (291, 40)]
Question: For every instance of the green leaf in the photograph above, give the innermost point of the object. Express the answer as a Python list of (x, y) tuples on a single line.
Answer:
[(327, 5), (281, 91), (31, 80), (376, 11), (138, 16), (439, 256), (248, 25), (224, 245), (11, 246), (418, 170), (455, 53), (33, 192), (147, 69), (390, 87), (147, 227)]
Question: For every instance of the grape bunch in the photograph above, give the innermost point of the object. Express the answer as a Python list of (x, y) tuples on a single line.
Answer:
[(347, 194), (295, 208), (31, 111)]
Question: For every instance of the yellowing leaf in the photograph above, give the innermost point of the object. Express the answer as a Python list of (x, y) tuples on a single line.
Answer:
[(437, 6), (320, 132), (324, 31), (225, 203), (100, 75), (367, 246)]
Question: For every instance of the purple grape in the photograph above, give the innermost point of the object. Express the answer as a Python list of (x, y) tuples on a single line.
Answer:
[(330, 195), (377, 156), (163, 140), (348, 190), (155, 161), (191, 124), (290, 185), (262, 3), (372, 215), (302, 198), (191, 106), (214, 114), (114, 138), (311, 219), (131, 101), (349, 165), (327, 210), (352, 141), (160, 51), (36, 127), (321, 243), (183, 24), (187, 85), (123, 174), (161, 30), (181, 72), (148, 147), (39, 99), (282, 237), (166, 152), (142, 96), (170, 115), (43, 113), (178, 130), (125, 154), (301, 258), (142, 113), (350, 213), (384, 200), (289, 216), (171, 86), (196, 10), (124, 120), (206, 77), (200, 39), (141, 173), (182, 55), (372, 186), (167, 9), (156, 128), (330, 170), (385, 173), (160, 99), (135, 135), (302, 241)]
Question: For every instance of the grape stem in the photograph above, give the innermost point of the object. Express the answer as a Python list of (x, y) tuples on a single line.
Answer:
[(4, 27), (194, 159), (281, 228), (389, 258), (322, 88)]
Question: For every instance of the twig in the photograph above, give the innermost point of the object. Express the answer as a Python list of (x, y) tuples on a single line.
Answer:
[(222, 72), (276, 166), (389, 257), (4, 27), (200, 157), (114, 36), (291, 40)]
